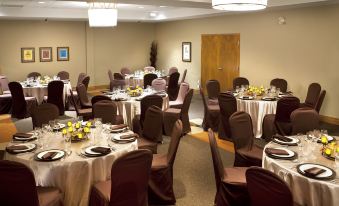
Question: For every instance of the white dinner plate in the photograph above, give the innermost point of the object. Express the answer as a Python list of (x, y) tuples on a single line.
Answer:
[(117, 136), (290, 155), (328, 174), (269, 98), (248, 98), (88, 150), (25, 139), (30, 147), (58, 156), (293, 142)]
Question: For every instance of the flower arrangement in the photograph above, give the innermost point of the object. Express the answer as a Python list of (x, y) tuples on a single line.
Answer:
[(256, 90), (134, 91), (76, 131), (329, 149), (45, 79)]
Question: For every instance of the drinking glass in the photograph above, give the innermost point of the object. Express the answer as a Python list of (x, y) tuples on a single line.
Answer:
[(67, 141), (300, 147), (337, 158), (237, 89)]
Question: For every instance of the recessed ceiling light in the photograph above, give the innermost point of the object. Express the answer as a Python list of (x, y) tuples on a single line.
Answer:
[(141, 7), (162, 6), (152, 14), (41, 2)]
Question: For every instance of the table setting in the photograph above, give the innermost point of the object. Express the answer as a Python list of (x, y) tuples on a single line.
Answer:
[(137, 78), (309, 164)]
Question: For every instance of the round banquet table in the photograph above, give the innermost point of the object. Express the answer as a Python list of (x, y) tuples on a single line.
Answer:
[(39, 92), (257, 109), (306, 191), (73, 175)]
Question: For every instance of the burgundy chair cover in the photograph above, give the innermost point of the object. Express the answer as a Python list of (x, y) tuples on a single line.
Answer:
[(183, 76), (80, 78), (110, 75), (124, 71), (85, 113), (227, 105), (173, 87), (312, 97), (160, 186), (107, 111), (118, 76), (148, 78), (116, 83), (98, 98), (246, 152), (85, 81), (55, 95), (285, 107), (230, 182), (240, 81), (18, 187), (4, 83), (129, 180), (42, 114), (304, 120), (320, 101), (266, 188), (5, 103), (172, 70), (211, 115), (33, 75), (152, 128), (159, 84), (63, 75), (184, 112), (83, 97), (213, 89), (149, 69), (19, 104), (147, 102), (279, 83), (184, 87)]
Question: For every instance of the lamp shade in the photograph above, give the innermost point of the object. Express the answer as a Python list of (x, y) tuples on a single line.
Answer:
[(239, 5), (102, 17)]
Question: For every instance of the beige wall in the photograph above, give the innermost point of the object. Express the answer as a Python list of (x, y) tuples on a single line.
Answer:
[(304, 50)]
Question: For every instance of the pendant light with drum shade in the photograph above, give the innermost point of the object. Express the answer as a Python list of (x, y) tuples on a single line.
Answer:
[(239, 5), (102, 13)]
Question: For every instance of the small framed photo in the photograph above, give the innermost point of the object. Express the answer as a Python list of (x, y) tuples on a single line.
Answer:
[(45, 54), (27, 55), (186, 51), (63, 53)]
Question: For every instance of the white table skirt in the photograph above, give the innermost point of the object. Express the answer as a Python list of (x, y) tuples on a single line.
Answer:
[(306, 191), (74, 175), (257, 109)]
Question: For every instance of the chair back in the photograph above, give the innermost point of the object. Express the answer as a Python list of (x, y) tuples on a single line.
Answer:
[(63, 75), (118, 76), (77, 109), (148, 78), (152, 125), (149, 69), (17, 184), (172, 70), (320, 100), (85, 81), (125, 71), (187, 102), (98, 98), (183, 76), (228, 106), (304, 120), (147, 102), (56, 95), (4, 83), (313, 94), (110, 75), (43, 113), (242, 130), (34, 75), (266, 188), (240, 81), (19, 105), (82, 94), (174, 144), (213, 89), (106, 110), (129, 179), (117, 83), (217, 162), (279, 83), (159, 84), (285, 107), (80, 78), (184, 87), (173, 86)]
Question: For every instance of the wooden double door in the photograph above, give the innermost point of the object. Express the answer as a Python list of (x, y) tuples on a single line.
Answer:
[(220, 59)]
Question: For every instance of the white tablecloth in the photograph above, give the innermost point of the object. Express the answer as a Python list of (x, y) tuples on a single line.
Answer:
[(257, 110), (73, 175), (306, 191)]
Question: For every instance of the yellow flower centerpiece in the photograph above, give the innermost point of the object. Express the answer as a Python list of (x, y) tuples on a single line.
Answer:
[(134, 91), (45, 79), (329, 149), (259, 91), (76, 131)]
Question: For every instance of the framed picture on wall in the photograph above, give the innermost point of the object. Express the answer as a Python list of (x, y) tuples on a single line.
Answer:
[(186, 51), (45, 54), (27, 55), (63, 53)]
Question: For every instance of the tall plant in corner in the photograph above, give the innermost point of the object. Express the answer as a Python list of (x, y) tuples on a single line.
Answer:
[(153, 54)]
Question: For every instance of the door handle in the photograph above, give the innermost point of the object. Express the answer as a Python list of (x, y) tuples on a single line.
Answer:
[(219, 68)]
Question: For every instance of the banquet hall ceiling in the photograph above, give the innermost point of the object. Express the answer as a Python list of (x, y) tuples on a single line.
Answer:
[(129, 10)]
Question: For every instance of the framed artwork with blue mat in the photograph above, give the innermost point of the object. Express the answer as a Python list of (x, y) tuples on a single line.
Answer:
[(63, 53)]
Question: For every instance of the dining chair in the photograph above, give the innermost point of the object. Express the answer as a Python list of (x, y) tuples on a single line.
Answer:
[(183, 76), (159, 84), (246, 152), (266, 188), (128, 183), (160, 186), (21, 105), (63, 75), (81, 77), (211, 114), (228, 106), (171, 115), (238, 81), (117, 83), (173, 87), (18, 187), (85, 81), (44, 113), (83, 97), (304, 120), (184, 87), (148, 78), (125, 71), (149, 69), (118, 76), (86, 114), (172, 70), (312, 97), (145, 103), (98, 98), (230, 182), (107, 111), (110, 75), (55, 92), (4, 83), (34, 75), (213, 91), (320, 101), (279, 83)]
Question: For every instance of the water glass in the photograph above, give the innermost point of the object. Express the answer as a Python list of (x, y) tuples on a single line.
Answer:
[(337, 160), (67, 141)]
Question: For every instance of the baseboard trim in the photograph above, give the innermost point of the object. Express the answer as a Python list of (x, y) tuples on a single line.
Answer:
[(96, 87), (329, 120)]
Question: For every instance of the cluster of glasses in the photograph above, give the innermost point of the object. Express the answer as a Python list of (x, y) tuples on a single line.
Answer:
[(241, 90), (272, 91), (43, 135)]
